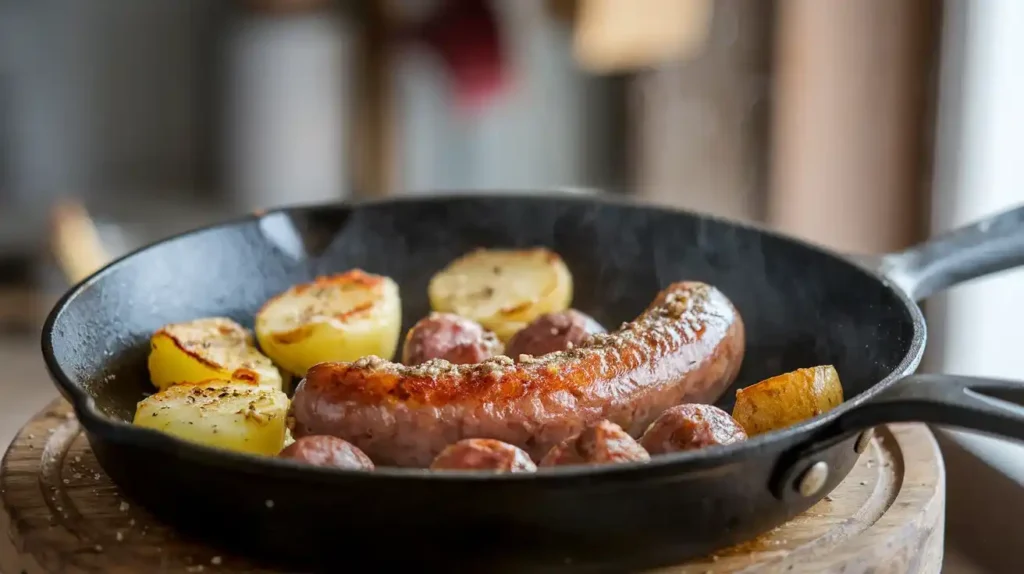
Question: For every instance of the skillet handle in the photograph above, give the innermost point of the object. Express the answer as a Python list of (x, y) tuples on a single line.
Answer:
[(993, 244), (991, 406)]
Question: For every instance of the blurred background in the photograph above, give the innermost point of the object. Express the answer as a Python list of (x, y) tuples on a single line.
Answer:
[(863, 126)]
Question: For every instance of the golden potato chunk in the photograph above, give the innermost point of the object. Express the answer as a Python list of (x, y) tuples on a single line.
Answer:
[(503, 289), (338, 318), (204, 349), (787, 399), (232, 415)]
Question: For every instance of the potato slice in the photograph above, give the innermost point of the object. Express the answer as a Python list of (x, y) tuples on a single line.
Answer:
[(204, 349), (232, 415), (503, 289), (338, 318), (787, 399)]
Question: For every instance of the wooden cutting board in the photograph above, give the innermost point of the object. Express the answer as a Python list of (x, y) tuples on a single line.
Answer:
[(60, 513)]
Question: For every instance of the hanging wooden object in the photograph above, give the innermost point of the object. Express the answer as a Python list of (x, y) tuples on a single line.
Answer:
[(617, 36)]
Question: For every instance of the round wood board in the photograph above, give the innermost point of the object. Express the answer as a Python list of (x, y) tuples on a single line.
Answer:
[(62, 514)]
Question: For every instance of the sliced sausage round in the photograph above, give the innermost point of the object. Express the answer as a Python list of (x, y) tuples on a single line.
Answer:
[(553, 332), (456, 339), (691, 426), (483, 454), (321, 450), (603, 442)]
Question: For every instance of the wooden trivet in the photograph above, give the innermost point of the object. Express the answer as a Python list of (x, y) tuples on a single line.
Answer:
[(61, 513)]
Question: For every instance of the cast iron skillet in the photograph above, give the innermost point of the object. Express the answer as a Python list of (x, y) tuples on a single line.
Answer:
[(802, 306)]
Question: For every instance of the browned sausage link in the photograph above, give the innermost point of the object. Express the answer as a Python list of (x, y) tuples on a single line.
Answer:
[(603, 442), (553, 332), (687, 347), (320, 450), (691, 426), (455, 339), (483, 454)]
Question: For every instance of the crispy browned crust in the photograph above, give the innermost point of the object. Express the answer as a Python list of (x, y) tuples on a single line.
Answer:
[(225, 329), (194, 355), (354, 277), (683, 327)]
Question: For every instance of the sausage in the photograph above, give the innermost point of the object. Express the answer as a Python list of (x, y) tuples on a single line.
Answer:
[(553, 332), (334, 452), (691, 426), (458, 340), (603, 442), (686, 347), (483, 454)]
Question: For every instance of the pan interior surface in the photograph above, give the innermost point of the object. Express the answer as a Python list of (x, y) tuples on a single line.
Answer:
[(802, 307)]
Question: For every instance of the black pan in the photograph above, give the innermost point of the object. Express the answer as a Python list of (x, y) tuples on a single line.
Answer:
[(802, 306)]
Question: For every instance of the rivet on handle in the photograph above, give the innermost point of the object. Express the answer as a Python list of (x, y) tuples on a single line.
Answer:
[(864, 440), (813, 479)]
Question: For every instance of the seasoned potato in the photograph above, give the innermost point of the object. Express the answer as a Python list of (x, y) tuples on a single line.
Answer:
[(787, 399), (338, 318), (502, 289), (204, 349), (233, 415)]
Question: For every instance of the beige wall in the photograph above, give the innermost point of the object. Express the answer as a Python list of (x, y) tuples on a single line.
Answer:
[(700, 126), (853, 96), (811, 115)]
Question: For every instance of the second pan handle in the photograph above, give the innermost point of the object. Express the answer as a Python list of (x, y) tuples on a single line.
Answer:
[(993, 406), (993, 244)]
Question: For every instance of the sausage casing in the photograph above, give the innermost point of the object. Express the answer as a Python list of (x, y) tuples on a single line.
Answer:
[(686, 347)]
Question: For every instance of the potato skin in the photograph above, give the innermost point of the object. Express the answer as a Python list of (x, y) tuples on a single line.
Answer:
[(232, 415), (205, 349), (340, 318), (455, 339), (327, 451), (553, 332), (603, 442), (691, 426), (787, 399), (502, 289), (483, 454)]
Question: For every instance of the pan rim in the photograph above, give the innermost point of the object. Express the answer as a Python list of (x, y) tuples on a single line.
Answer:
[(95, 422)]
